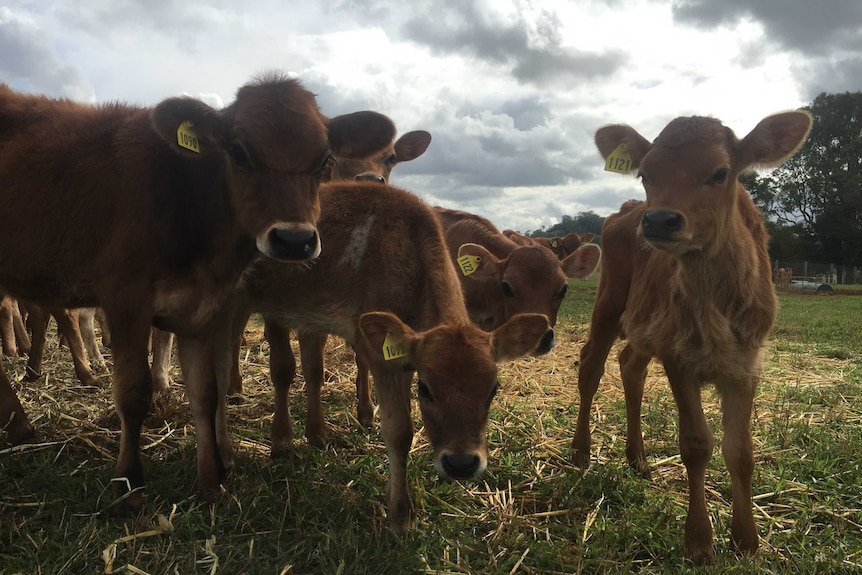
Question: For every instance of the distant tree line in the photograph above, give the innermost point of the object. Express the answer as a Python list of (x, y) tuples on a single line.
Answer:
[(812, 203)]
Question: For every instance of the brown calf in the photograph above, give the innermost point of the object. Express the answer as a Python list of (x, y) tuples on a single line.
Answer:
[(376, 168), (504, 278), (686, 278), (153, 214), (384, 253), (781, 277)]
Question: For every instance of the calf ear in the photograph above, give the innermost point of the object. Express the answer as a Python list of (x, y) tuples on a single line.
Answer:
[(519, 336), (385, 335), (476, 262), (412, 145), (572, 242), (360, 134), (188, 126), (609, 138), (774, 139), (587, 237), (582, 262)]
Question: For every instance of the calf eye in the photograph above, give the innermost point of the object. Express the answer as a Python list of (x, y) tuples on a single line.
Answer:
[(718, 177), (644, 179), (424, 392), (240, 158), (563, 291), (391, 160), (507, 289), (494, 391)]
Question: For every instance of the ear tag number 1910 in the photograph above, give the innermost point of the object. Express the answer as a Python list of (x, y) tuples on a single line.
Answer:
[(187, 138), (391, 350), (468, 264), (619, 161)]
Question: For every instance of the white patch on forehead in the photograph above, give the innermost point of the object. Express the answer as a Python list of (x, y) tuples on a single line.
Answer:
[(357, 244)]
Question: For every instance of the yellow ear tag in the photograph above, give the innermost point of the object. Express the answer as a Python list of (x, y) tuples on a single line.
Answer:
[(555, 243), (391, 350), (469, 264), (619, 161), (186, 137)]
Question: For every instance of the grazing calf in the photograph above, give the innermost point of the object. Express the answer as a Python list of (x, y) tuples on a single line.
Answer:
[(153, 214), (385, 259), (686, 278)]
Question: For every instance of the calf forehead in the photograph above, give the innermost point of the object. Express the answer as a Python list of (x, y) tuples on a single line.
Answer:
[(535, 265), (690, 147), (280, 122), (458, 357)]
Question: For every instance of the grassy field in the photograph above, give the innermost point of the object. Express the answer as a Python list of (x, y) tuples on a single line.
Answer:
[(532, 512)]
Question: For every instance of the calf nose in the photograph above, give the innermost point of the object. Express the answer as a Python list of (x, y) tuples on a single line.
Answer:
[(292, 243), (460, 465), (547, 343), (371, 177), (661, 224)]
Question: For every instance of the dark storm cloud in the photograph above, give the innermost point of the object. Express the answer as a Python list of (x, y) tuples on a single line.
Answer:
[(30, 63), (815, 28), (532, 50)]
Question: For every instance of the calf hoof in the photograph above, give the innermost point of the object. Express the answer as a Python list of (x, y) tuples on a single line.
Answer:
[(160, 385), (281, 451), (317, 440), (127, 503), (700, 556), (31, 375), (21, 431), (581, 458), (365, 415), (401, 518), (641, 467)]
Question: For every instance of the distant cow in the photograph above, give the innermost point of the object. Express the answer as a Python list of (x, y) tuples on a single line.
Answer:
[(561, 246), (686, 278), (385, 259), (781, 277), (153, 214)]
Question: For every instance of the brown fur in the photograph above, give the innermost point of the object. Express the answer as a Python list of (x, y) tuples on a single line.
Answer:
[(384, 252), (561, 246), (781, 277), (686, 278), (100, 206)]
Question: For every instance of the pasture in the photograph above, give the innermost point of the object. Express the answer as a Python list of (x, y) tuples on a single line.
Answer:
[(532, 511)]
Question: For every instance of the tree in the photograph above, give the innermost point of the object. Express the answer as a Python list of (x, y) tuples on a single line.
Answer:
[(584, 222), (819, 190)]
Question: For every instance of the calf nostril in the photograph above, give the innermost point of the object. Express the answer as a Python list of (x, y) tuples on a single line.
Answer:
[(460, 465), (661, 223), (547, 343)]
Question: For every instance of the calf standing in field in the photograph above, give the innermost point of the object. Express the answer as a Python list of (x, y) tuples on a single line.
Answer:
[(385, 259), (686, 278), (561, 246), (153, 214)]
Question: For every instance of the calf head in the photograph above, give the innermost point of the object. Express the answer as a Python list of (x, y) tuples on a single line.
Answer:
[(377, 167), (277, 148), (690, 173), (530, 280), (457, 370)]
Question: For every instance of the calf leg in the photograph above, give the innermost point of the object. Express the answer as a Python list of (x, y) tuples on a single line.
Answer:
[(282, 370), (8, 329), (37, 320), (696, 444), (133, 392), (87, 326), (738, 453), (163, 343), (603, 332), (12, 416), (392, 385), (198, 367), (67, 325), (364, 405), (311, 347), (633, 368), (21, 336), (103, 326), (240, 318)]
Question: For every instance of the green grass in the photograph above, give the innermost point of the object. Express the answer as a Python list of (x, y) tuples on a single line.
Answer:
[(532, 512)]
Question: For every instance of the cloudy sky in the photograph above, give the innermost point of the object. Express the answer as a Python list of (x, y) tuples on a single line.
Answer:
[(511, 90)]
